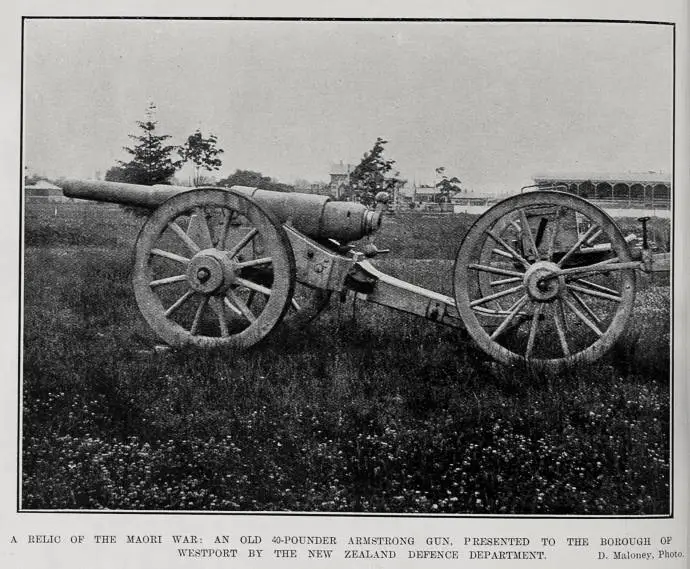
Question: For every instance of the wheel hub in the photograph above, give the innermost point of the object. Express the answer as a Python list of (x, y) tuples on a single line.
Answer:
[(542, 281), (210, 271)]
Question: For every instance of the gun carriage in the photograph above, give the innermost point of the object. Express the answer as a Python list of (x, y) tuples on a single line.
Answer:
[(544, 277)]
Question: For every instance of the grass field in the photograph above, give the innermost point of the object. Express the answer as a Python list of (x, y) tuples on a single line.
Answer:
[(367, 410)]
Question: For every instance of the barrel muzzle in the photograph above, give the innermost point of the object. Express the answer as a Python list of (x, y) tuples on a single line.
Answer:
[(371, 222)]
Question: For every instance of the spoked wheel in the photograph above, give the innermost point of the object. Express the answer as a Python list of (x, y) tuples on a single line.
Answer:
[(542, 278), (213, 269)]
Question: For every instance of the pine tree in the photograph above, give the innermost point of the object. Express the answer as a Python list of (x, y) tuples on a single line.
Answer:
[(447, 186), (152, 160)]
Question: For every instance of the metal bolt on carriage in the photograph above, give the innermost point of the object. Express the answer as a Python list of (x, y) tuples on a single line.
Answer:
[(545, 278)]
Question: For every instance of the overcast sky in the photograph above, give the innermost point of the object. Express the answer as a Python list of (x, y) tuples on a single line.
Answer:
[(494, 103)]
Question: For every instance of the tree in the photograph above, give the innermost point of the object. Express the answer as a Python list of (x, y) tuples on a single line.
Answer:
[(152, 160), (31, 179), (254, 180), (447, 186), (372, 175), (202, 152)]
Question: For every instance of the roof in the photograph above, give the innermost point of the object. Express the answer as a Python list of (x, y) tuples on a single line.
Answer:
[(471, 195), (42, 185), (611, 177), (433, 191), (341, 169), (419, 190)]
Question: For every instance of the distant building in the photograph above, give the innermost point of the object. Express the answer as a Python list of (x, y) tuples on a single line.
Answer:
[(432, 194), (642, 189), (470, 197), (419, 193), (43, 190), (340, 178)]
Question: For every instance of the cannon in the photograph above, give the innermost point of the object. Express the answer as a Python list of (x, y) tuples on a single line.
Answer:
[(543, 278)]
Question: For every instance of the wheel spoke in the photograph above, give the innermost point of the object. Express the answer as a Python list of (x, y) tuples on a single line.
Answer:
[(526, 229), (508, 248), (505, 281), (561, 312), (508, 319), (168, 280), (500, 294), (585, 306), (601, 267), (595, 286), (217, 306), (197, 317), (582, 317), (232, 307), (555, 230), (179, 302), (170, 255), (186, 239), (227, 219), (596, 293), (514, 304), (561, 333), (254, 262), (586, 235), (253, 286), (495, 270), (502, 253), (591, 240), (204, 230), (243, 242), (237, 301), (533, 329), (543, 222)]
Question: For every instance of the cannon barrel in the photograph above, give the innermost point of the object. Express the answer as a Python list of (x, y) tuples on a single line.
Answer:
[(317, 216)]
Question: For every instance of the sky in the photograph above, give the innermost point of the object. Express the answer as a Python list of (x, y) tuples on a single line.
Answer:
[(492, 102)]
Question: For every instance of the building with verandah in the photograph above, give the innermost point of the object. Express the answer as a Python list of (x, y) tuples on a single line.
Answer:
[(641, 189)]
